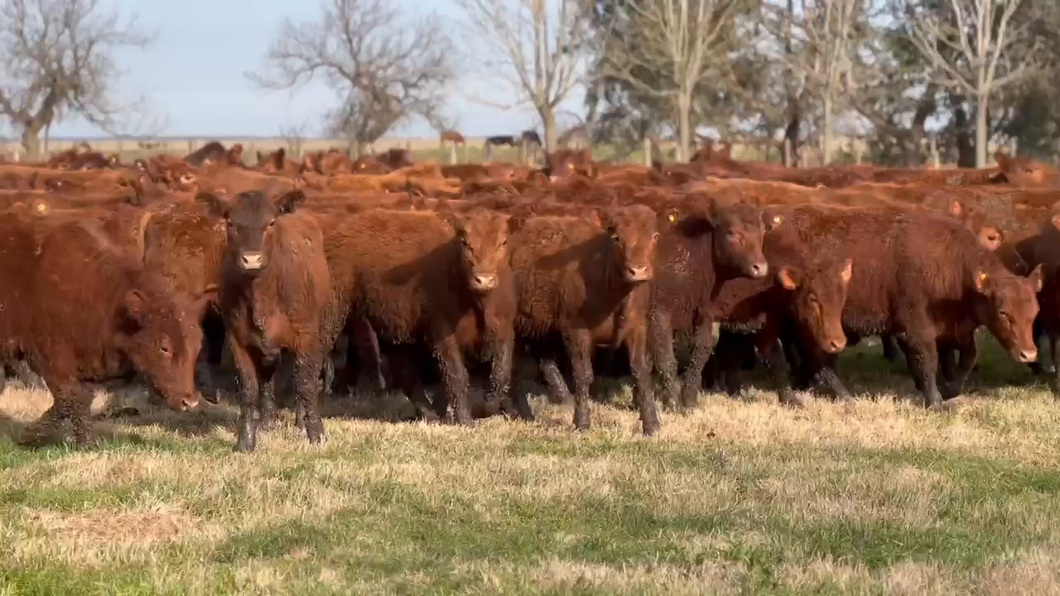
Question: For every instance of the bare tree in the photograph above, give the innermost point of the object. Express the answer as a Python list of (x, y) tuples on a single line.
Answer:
[(384, 67), (827, 36), (976, 48), (58, 62), (533, 45), (671, 47)]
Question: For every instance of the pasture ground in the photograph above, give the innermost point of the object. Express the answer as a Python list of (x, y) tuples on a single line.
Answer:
[(873, 496)]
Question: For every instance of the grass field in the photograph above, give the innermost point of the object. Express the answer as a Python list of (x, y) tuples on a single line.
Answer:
[(873, 496)]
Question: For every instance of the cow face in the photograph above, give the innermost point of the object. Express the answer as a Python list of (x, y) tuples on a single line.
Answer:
[(634, 232), (250, 220), (1010, 304), (1026, 172), (483, 237), (160, 334), (818, 294), (738, 232)]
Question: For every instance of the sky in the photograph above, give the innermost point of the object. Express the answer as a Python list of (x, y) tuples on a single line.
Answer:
[(193, 73)]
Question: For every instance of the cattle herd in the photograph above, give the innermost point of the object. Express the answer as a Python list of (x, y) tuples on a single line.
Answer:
[(429, 279)]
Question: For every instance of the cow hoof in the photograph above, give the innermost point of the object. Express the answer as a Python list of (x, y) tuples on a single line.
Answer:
[(792, 402), (243, 447), (315, 433), (463, 419)]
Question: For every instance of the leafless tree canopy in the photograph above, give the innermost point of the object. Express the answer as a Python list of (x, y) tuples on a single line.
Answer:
[(57, 61), (534, 46), (383, 67), (976, 47)]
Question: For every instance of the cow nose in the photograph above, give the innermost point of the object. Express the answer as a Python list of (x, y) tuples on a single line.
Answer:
[(485, 282), (252, 261), (642, 273), (759, 270), (1028, 355), (836, 345)]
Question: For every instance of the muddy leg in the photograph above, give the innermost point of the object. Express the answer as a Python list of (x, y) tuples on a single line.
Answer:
[(454, 377), (706, 335), (46, 429), (500, 383), (306, 380), (580, 350), (559, 392), (924, 362), (661, 346), (636, 345), (248, 398)]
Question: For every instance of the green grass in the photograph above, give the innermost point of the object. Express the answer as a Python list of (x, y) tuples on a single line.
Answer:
[(742, 496)]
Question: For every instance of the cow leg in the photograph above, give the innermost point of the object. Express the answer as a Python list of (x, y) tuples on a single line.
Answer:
[(706, 335), (959, 375), (580, 350), (661, 342), (637, 346), (247, 433), (1042, 365), (923, 359), (79, 405), (306, 378), (557, 385), (767, 343), (501, 380), (403, 368), (890, 346), (267, 394), (45, 429), (454, 377), (1054, 339)]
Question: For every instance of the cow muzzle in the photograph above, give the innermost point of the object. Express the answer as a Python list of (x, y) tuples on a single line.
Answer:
[(638, 274), (758, 270), (251, 261), (1025, 356), (483, 283), (835, 345)]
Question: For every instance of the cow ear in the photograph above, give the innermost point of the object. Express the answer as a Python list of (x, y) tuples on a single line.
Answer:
[(1055, 220), (981, 281), (771, 221), (1037, 278), (454, 221), (788, 277), (218, 206), (133, 307), (847, 271), (515, 223), (286, 202)]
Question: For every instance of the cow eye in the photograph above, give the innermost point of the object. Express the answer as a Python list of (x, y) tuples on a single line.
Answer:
[(272, 223)]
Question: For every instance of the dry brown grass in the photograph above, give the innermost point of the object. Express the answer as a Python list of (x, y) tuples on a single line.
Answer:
[(742, 495)]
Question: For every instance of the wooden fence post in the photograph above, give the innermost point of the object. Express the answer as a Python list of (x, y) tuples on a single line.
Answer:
[(452, 154), (647, 151)]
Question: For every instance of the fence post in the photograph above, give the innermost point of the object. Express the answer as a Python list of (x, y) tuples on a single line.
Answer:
[(647, 151), (933, 146), (452, 154)]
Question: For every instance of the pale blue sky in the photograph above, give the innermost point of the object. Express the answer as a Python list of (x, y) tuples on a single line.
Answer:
[(193, 73)]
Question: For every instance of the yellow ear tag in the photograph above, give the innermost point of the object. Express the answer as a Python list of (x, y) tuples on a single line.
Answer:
[(982, 277), (777, 219), (41, 207), (672, 218)]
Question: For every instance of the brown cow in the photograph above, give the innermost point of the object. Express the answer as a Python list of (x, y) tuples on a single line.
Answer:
[(585, 281), (707, 248), (439, 278), (922, 278), (81, 311), (274, 288)]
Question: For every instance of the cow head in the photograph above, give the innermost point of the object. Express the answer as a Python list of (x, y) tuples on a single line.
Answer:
[(1026, 172), (739, 229), (483, 237), (250, 220), (633, 233), (566, 162), (159, 333), (818, 294), (1008, 304), (980, 223)]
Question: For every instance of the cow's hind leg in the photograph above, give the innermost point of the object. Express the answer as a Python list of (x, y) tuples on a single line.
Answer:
[(580, 349), (306, 378)]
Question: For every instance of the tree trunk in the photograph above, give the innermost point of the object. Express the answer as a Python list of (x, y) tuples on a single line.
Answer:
[(684, 125), (981, 131), (965, 147), (548, 121), (31, 142), (791, 137), (826, 133)]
